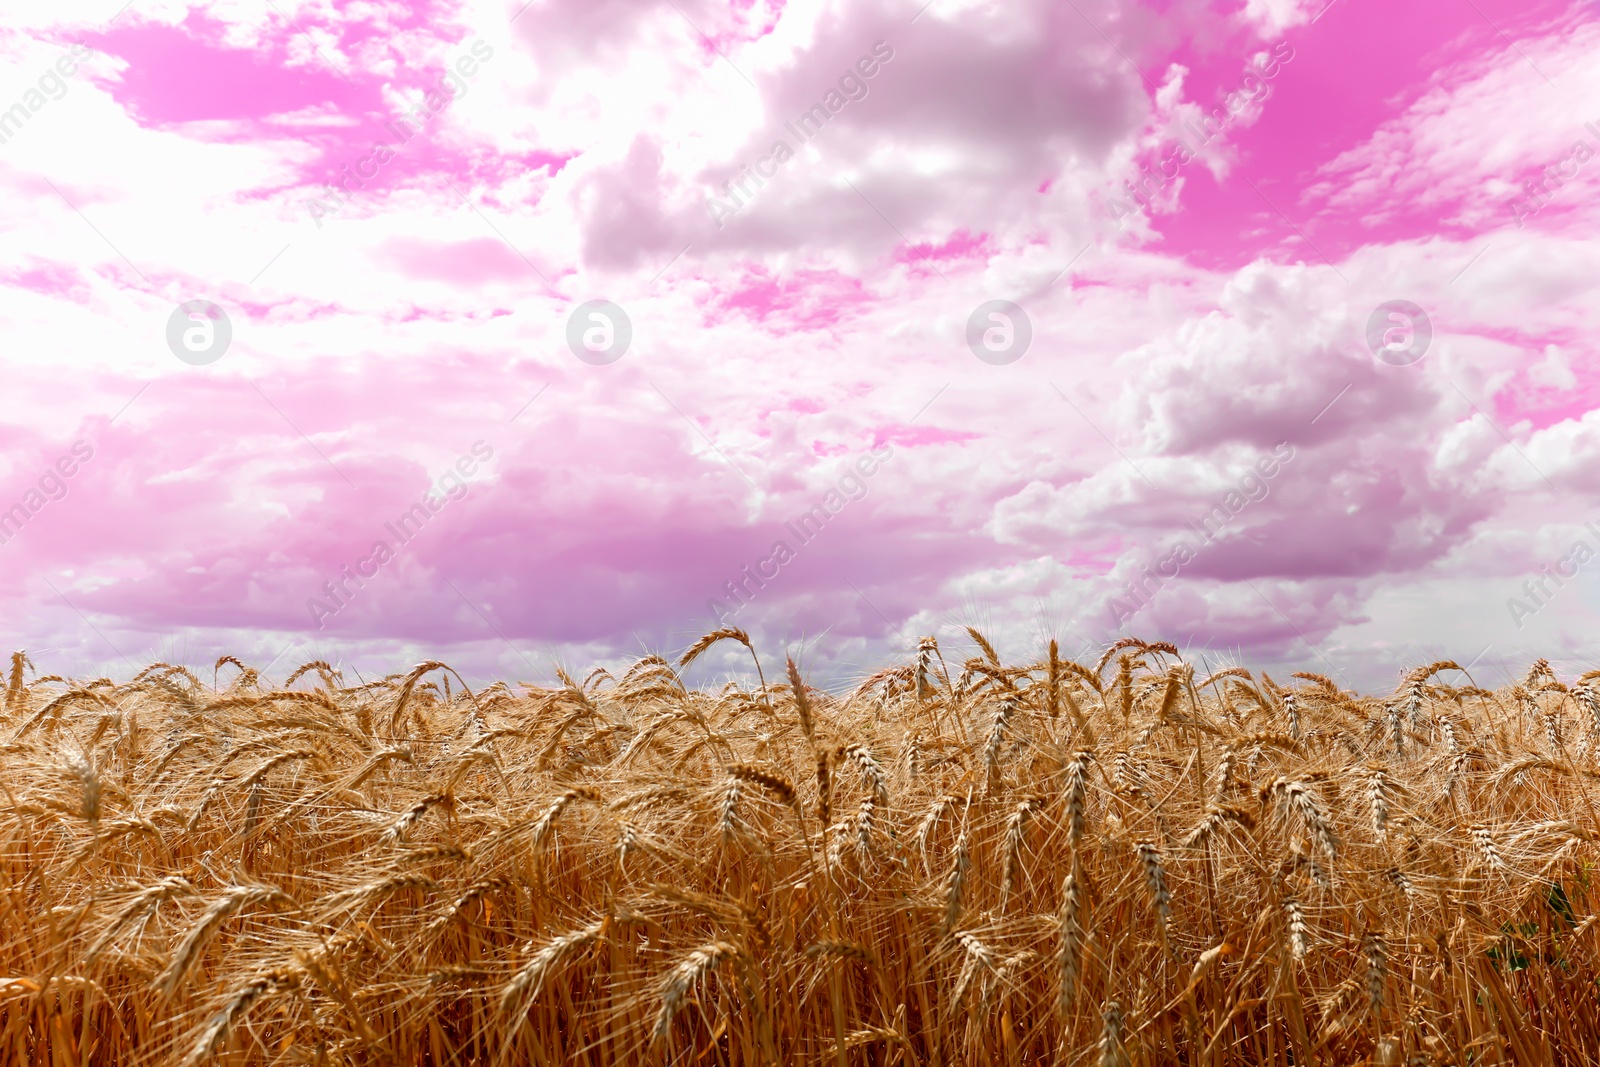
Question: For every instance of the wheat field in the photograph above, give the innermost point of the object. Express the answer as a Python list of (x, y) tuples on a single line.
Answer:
[(1117, 862)]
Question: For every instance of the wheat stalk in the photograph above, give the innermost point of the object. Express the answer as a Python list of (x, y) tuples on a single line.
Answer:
[(683, 978), (1072, 937), (129, 809)]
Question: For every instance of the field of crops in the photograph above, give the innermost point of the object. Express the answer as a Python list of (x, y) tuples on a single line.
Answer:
[(1112, 862)]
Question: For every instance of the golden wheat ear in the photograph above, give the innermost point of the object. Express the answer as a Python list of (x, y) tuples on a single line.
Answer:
[(625, 874), (727, 633), (705, 641), (14, 690)]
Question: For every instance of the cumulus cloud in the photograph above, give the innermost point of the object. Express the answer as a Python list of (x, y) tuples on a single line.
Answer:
[(823, 315)]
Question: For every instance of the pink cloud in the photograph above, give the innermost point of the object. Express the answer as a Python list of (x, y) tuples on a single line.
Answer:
[(960, 245), (775, 344), (807, 300), (185, 74), (472, 262)]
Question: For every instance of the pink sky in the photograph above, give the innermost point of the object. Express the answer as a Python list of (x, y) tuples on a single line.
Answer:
[(1183, 343)]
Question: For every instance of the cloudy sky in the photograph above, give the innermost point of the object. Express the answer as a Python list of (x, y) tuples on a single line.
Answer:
[(514, 335)]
